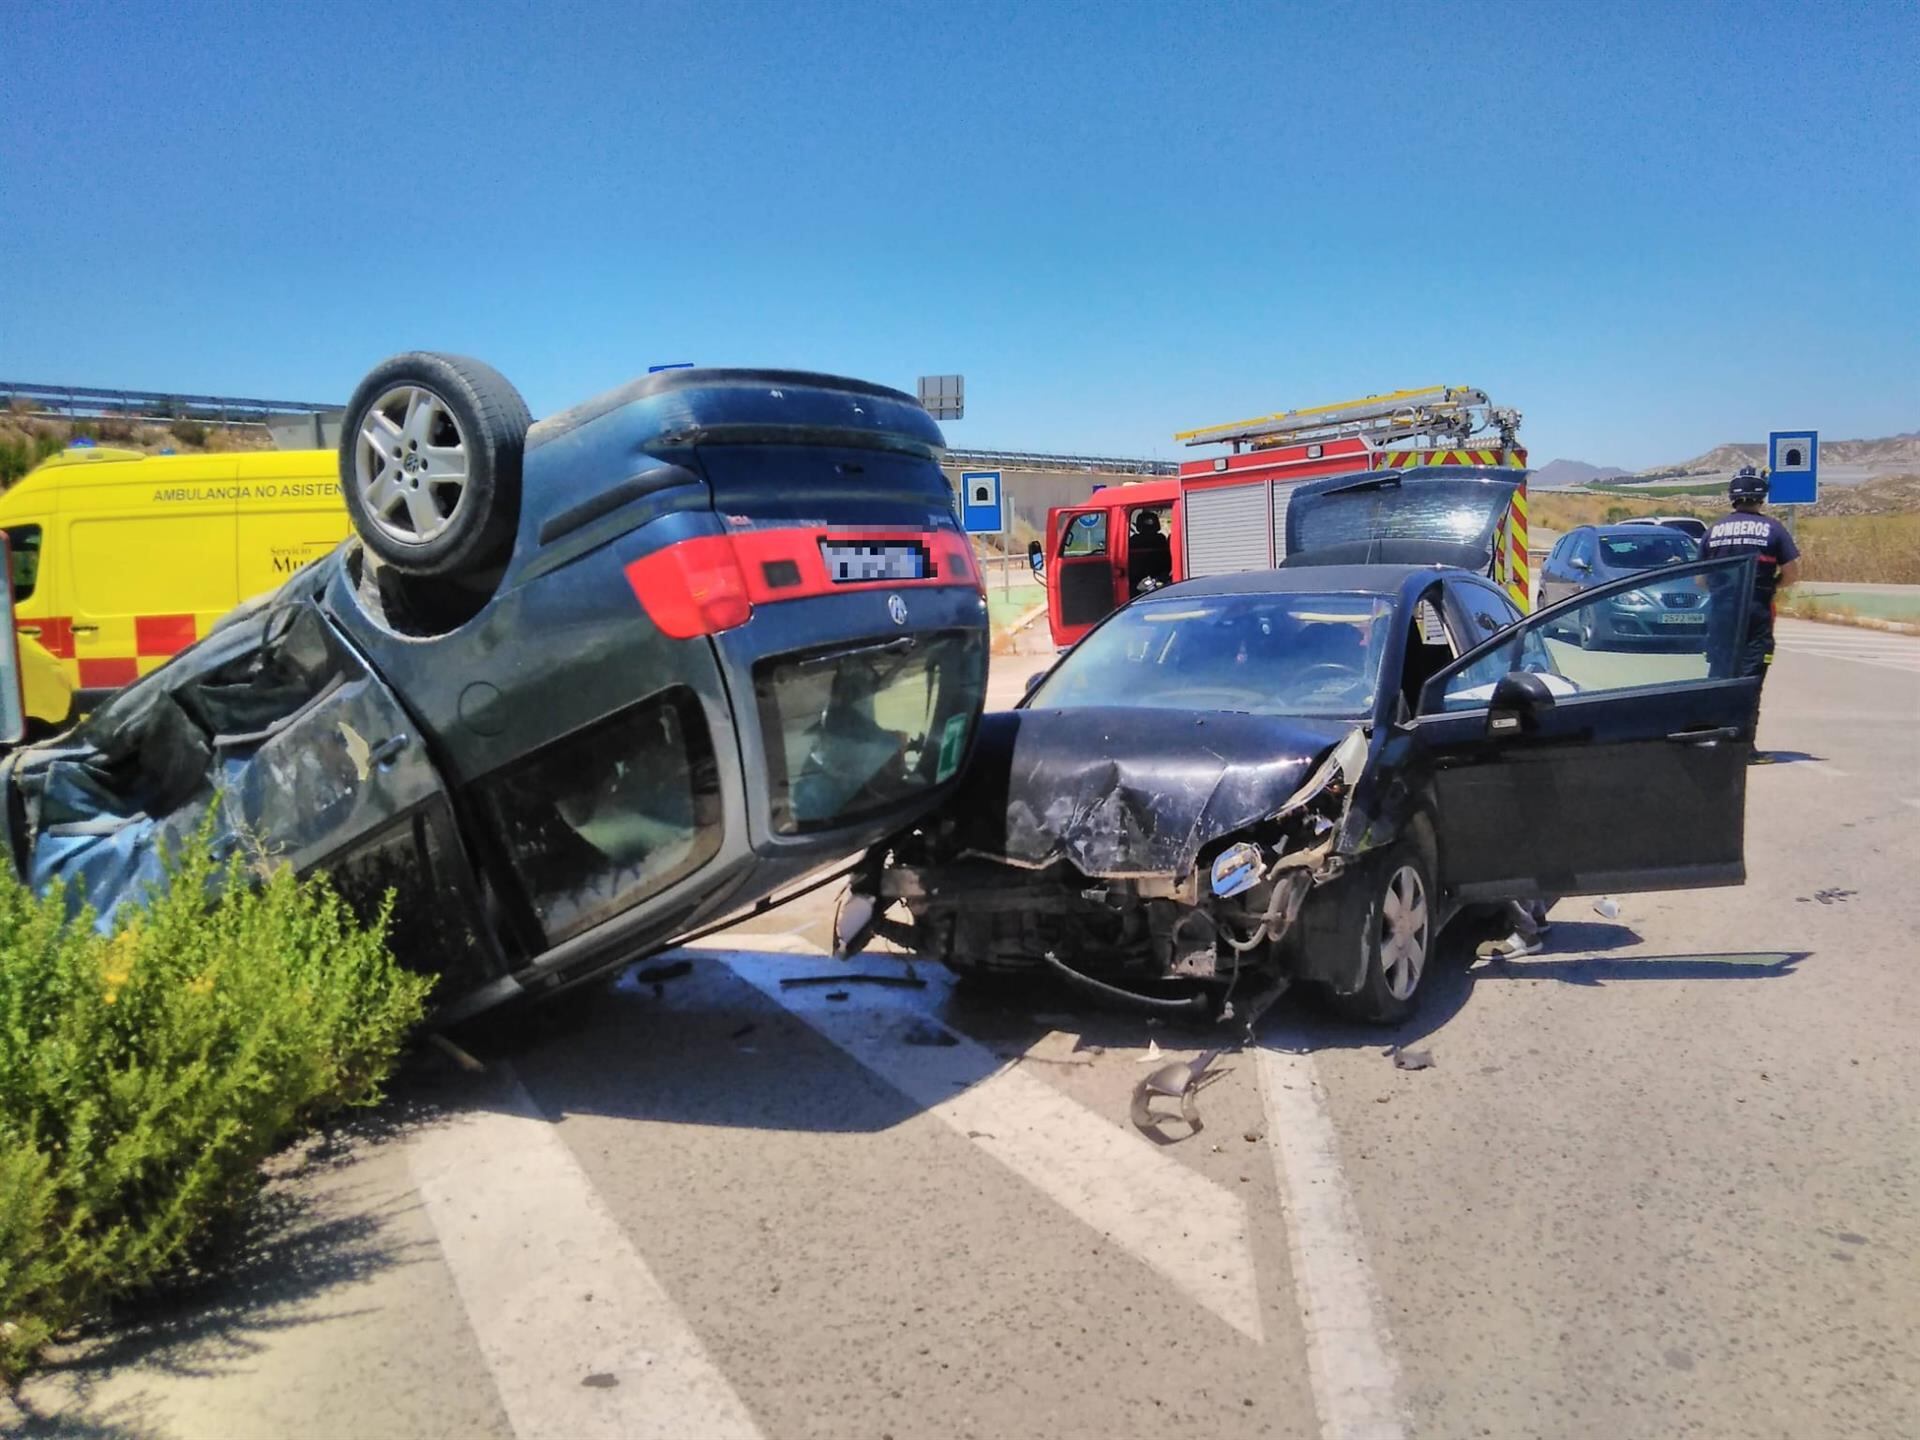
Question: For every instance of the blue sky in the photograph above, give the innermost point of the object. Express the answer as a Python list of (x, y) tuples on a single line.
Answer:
[(1651, 228)]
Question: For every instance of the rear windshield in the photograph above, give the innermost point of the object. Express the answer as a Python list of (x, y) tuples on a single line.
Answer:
[(856, 730), (1642, 552), (1454, 512), (1261, 654)]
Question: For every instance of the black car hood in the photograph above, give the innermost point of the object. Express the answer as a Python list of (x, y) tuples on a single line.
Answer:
[(1129, 792)]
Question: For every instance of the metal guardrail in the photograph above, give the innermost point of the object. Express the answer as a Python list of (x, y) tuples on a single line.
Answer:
[(86, 400), (91, 401), (1042, 460)]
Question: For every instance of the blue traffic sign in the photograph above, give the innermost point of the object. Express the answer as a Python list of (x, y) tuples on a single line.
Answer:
[(1793, 460), (980, 502)]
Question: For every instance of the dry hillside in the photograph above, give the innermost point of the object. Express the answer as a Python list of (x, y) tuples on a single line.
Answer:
[(26, 439)]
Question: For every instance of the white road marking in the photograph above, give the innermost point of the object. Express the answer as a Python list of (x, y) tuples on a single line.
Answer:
[(1349, 1350), (554, 1291), (1193, 1232), (1864, 647)]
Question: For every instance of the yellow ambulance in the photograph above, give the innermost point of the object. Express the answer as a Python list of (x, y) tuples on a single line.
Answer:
[(121, 560)]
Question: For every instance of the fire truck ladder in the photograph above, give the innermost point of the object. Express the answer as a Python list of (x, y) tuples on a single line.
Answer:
[(1437, 415)]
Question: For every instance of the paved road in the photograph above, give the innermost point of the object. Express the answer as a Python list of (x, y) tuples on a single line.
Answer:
[(1661, 1181)]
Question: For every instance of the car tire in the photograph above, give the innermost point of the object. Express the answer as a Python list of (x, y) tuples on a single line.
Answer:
[(419, 411), (1588, 640), (1390, 915)]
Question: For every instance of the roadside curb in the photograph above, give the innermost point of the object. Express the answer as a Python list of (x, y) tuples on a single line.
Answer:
[(1021, 622), (1857, 622)]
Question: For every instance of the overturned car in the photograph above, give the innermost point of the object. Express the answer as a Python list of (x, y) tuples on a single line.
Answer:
[(574, 688), (1304, 774)]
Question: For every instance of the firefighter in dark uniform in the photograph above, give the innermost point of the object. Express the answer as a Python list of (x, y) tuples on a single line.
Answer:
[(1149, 553), (1746, 531)]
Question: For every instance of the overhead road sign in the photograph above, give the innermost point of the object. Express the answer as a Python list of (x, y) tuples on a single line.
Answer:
[(980, 512), (944, 396), (1793, 464)]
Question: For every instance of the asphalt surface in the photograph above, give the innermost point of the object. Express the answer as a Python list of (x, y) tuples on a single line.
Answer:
[(1659, 1181)]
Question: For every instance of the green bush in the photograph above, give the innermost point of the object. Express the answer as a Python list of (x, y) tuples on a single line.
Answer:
[(188, 432), (144, 1076), (20, 453), (15, 459)]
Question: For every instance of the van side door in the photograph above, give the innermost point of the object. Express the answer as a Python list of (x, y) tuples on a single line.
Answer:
[(148, 558), (290, 512), (1085, 573)]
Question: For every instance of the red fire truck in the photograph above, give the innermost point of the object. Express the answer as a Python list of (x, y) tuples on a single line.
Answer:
[(1231, 512)]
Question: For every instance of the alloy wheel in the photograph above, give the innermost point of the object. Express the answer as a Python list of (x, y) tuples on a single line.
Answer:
[(410, 464), (1403, 932)]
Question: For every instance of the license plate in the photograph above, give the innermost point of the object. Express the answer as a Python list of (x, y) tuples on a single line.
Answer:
[(851, 563), (1683, 619)]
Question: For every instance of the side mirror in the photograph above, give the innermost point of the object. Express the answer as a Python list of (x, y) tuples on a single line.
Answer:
[(13, 707), (1517, 701), (1037, 559), (1581, 565), (1033, 681)]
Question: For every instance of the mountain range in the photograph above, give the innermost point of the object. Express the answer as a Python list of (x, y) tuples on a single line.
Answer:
[(1842, 462)]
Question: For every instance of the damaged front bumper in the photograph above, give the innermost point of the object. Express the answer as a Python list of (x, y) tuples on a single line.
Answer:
[(1225, 927)]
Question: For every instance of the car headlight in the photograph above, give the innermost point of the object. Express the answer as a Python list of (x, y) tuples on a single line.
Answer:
[(1636, 600)]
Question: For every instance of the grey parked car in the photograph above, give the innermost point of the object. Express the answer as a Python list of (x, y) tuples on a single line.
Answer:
[(1687, 524), (1658, 613)]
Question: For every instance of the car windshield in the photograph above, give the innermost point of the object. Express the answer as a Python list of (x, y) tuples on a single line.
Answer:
[(1644, 551), (1307, 654)]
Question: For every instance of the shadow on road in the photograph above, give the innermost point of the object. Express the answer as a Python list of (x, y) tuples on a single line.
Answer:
[(312, 1230), (1758, 965), (706, 1048)]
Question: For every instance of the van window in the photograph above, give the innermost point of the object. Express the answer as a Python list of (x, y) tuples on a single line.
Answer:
[(25, 543), (1086, 535)]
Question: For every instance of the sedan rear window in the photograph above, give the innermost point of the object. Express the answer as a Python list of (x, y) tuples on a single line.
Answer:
[(856, 730), (1308, 654), (1642, 552)]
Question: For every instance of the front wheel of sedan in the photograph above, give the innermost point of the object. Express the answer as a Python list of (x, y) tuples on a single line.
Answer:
[(430, 452), (1392, 921)]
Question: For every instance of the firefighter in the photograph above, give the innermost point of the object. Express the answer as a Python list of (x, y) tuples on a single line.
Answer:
[(1746, 531), (1149, 553)]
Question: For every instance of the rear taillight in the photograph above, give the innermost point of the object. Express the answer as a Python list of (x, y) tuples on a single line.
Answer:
[(692, 588)]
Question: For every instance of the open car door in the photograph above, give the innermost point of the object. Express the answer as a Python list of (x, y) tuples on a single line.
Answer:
[(1087, 573), (1559, 770)]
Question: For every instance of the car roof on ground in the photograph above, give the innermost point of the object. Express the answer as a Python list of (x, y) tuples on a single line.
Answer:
[(1312, 580)]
